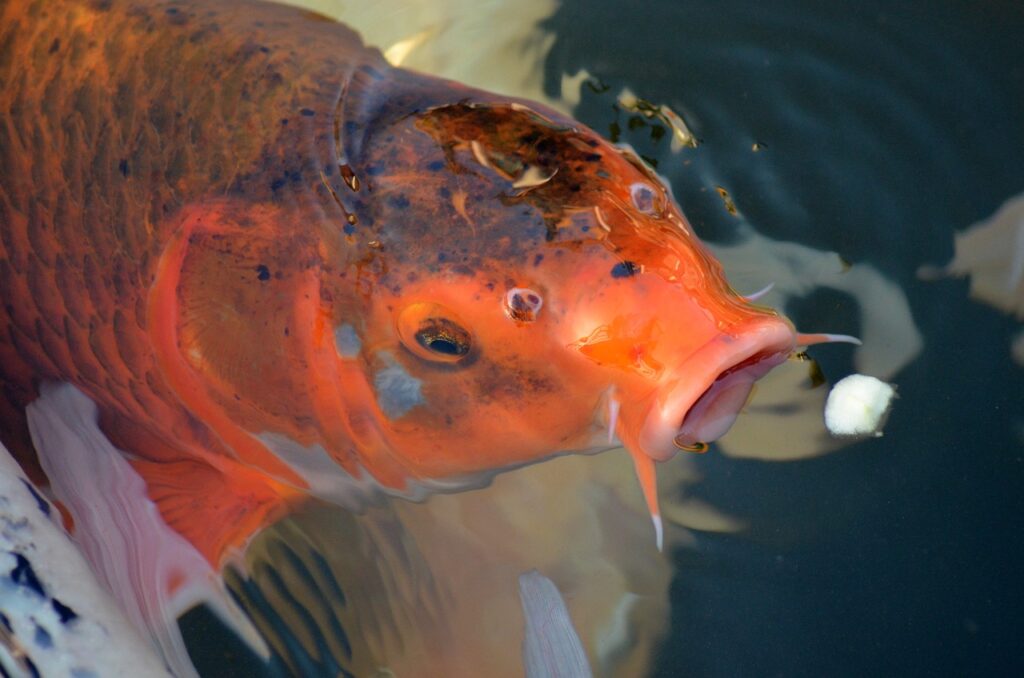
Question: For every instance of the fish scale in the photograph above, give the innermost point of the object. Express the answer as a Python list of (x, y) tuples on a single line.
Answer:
[(92, 204)]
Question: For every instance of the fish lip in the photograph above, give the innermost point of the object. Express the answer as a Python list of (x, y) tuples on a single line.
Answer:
[(768, 342)]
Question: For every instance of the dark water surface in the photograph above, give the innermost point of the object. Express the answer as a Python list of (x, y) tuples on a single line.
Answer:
[(885, 129)]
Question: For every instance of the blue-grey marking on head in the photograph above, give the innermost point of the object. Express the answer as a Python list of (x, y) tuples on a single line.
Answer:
[(347, 341), (397, 390)]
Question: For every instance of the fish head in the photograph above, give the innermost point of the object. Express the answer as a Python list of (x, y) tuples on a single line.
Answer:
[(536, 291)]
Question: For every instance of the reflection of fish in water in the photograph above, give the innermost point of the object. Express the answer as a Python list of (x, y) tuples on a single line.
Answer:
[(279, 268), (991, 252)]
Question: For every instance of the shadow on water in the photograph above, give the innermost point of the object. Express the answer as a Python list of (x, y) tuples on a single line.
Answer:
[(882, 131)]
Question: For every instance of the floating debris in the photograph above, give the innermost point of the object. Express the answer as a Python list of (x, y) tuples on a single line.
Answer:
[(858, 406), (730, 206), (682, 137)]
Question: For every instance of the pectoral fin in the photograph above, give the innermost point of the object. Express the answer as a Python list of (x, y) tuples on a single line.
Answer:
[(216, 509)]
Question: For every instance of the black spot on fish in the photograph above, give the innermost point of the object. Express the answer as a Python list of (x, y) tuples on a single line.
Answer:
[(529, 138), (43, 638), (398, 202), (537, 259), (24, 575), (625, 269), (65, 613), (43, 505), (123, 167), (176, 17), (284, 121), (308, 112), (276, 184), (349, 229), (593, 157), (55, 45), (265, 50), (262, 272), (436, 165)]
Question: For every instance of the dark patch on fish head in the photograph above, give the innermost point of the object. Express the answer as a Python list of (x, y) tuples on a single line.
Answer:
[(468, 182)]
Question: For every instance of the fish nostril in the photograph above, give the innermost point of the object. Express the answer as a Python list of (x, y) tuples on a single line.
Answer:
[(643, 198), (523, 304)]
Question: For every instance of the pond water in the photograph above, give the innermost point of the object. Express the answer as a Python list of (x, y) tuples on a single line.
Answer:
[(873, 131)]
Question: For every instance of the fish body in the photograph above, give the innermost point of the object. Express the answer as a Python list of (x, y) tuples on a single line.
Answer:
[(280, 267)]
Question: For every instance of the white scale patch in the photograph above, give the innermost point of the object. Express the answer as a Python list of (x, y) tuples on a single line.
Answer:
[(397, 390)]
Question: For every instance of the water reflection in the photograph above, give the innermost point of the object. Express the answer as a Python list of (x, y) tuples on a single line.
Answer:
[(991, 253)]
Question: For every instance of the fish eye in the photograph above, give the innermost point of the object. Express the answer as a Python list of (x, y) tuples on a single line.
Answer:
[(443, 337), (433, 333)]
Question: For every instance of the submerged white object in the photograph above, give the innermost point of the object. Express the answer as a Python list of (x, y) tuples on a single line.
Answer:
[(551, 646), (58, 621), (858, 405)]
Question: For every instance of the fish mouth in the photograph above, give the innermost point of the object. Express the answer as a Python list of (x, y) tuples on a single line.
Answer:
[(696, 411)]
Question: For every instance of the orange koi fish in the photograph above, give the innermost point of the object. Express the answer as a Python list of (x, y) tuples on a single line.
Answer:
[(279, 268)]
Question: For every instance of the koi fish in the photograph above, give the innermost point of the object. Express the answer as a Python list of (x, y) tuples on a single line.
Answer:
[(277, 268)]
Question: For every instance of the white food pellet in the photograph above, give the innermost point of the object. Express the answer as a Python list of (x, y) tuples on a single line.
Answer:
[(858, 406)]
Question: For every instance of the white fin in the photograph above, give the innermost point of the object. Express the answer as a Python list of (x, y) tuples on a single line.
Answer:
[(120, 530), (551, 647)]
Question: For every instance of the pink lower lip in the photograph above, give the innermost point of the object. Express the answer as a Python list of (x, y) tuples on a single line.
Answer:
[(716, 410), (702, 409)]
